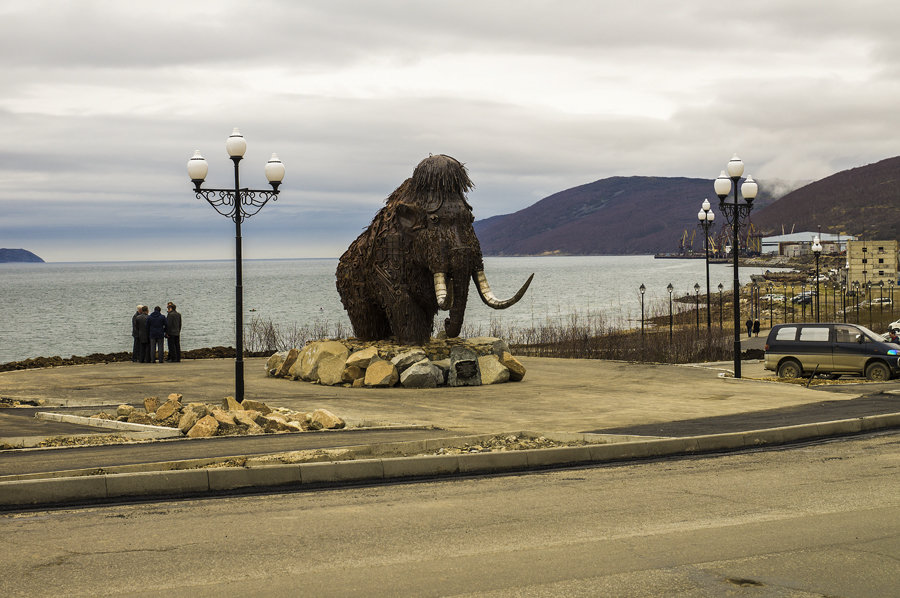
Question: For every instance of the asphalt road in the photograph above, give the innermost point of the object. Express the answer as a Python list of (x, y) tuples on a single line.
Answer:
[(812, 520)]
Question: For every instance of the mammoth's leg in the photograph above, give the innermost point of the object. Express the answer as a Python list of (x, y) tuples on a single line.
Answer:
[(367, 317), (411, 322)]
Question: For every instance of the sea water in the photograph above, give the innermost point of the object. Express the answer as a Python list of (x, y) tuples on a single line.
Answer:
[(81, 308)]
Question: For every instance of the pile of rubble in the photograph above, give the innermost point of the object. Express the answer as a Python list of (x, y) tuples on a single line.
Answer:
[(199, 420), (510, 442), (441, 362)]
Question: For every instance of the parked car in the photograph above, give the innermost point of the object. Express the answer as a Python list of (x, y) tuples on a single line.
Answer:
[(802, 299), (772, 297), (796, 350), (881, 301)]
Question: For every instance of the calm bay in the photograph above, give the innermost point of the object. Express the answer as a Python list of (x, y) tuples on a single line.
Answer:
[(79, 308)]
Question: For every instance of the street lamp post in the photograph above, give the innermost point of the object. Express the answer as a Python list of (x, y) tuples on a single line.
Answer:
[(856, 294), (771, 301), (721, 319), (891, 285), (880, 303), (802, 301), (817, 251), (869, 300), (785, 296), (237, 204), (643, 290), (697, 303), (670, 288), (706, 218), (733, 214)]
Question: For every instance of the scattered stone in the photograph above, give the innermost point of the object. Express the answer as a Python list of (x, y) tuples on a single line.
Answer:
[(381, 373), (331, 369), (222, 416), (103, 415), (492, 371), (359, 383), (247, 420), (204, 428), (249, 405), (138, 417), (463, 367), (124, 410), (407, 358), (151, 404), (190, 415), (444, 366), (322, 418), (515, 367), (363, 357), (275, 423), (175, 397), (422, 374), (289, 360), (231, 404), (273, 363), (168, 409), (352, 373), (307, 364)]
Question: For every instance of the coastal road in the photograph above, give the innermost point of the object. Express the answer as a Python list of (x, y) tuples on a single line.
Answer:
[(809, 520)]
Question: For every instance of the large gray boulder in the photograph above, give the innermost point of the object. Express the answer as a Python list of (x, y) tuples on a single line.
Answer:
[(406, 359), (422, 374), (492, 371), (463, 367)]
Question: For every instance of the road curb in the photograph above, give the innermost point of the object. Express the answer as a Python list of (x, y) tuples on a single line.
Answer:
[(198, 482)]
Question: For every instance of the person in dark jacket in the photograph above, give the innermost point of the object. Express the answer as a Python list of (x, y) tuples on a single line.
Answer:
[(156, 325), (143, 335), (135, 333), (749, 325), (756, 327), (173, 332)]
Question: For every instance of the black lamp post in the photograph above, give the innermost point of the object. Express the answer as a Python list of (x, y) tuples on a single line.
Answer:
[(802, 301), (733, 214), (881, 302), (844, 301), (771, 301), (869, 300), (237, 204), (706, 218), (785, 302), (755, 301), (697, 303), (721, 319), (643, 290), (817, 251), (891, 285), (856, 294), (670, 288)]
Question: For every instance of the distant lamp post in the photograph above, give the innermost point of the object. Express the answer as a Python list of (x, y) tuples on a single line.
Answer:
[(891, 285), (697, 303), (706, 218), (869, 300), (670, 288), (802, 301), (643, 290), (721, 319), (785, 296), (817, 251), (880, 303), (856, 294), (844, 301), (237, 204), (771, 301), (733, 213)]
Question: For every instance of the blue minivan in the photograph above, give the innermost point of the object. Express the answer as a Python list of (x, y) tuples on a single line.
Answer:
[(795, 350)]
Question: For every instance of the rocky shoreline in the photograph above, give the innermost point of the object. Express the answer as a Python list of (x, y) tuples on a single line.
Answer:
[(57, 361)]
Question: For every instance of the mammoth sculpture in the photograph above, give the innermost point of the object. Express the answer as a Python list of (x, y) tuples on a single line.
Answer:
[(417, 257)]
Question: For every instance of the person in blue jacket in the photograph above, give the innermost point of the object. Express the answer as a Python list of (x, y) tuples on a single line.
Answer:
[(156, 325)]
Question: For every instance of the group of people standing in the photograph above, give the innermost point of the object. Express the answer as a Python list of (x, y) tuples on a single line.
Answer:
[(149, 330)]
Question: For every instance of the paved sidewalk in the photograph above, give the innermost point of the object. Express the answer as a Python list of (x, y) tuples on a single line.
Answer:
[(559, 398)]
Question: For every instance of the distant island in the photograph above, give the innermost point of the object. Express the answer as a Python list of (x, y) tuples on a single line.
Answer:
[(18, 255)]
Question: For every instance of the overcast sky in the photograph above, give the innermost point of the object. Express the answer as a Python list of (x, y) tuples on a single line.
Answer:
[(103, 102)]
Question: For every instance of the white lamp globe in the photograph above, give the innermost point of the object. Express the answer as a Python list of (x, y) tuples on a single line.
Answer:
[(749, 189), (236, 145), (701, 216), (710, 216), (735, 167), (722, 185), (705, 205), (274, 169), (197, 167)]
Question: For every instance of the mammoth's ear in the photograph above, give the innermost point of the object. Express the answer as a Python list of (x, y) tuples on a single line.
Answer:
[(410, 217)]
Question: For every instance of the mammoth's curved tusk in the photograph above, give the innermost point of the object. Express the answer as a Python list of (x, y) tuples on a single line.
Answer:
[(484, 291), (440, 291)]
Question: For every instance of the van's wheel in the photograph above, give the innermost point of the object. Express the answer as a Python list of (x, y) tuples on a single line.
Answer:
[(790, 369), (878, 372)]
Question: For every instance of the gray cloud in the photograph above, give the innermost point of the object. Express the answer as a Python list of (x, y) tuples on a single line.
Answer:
[(104, 102)]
